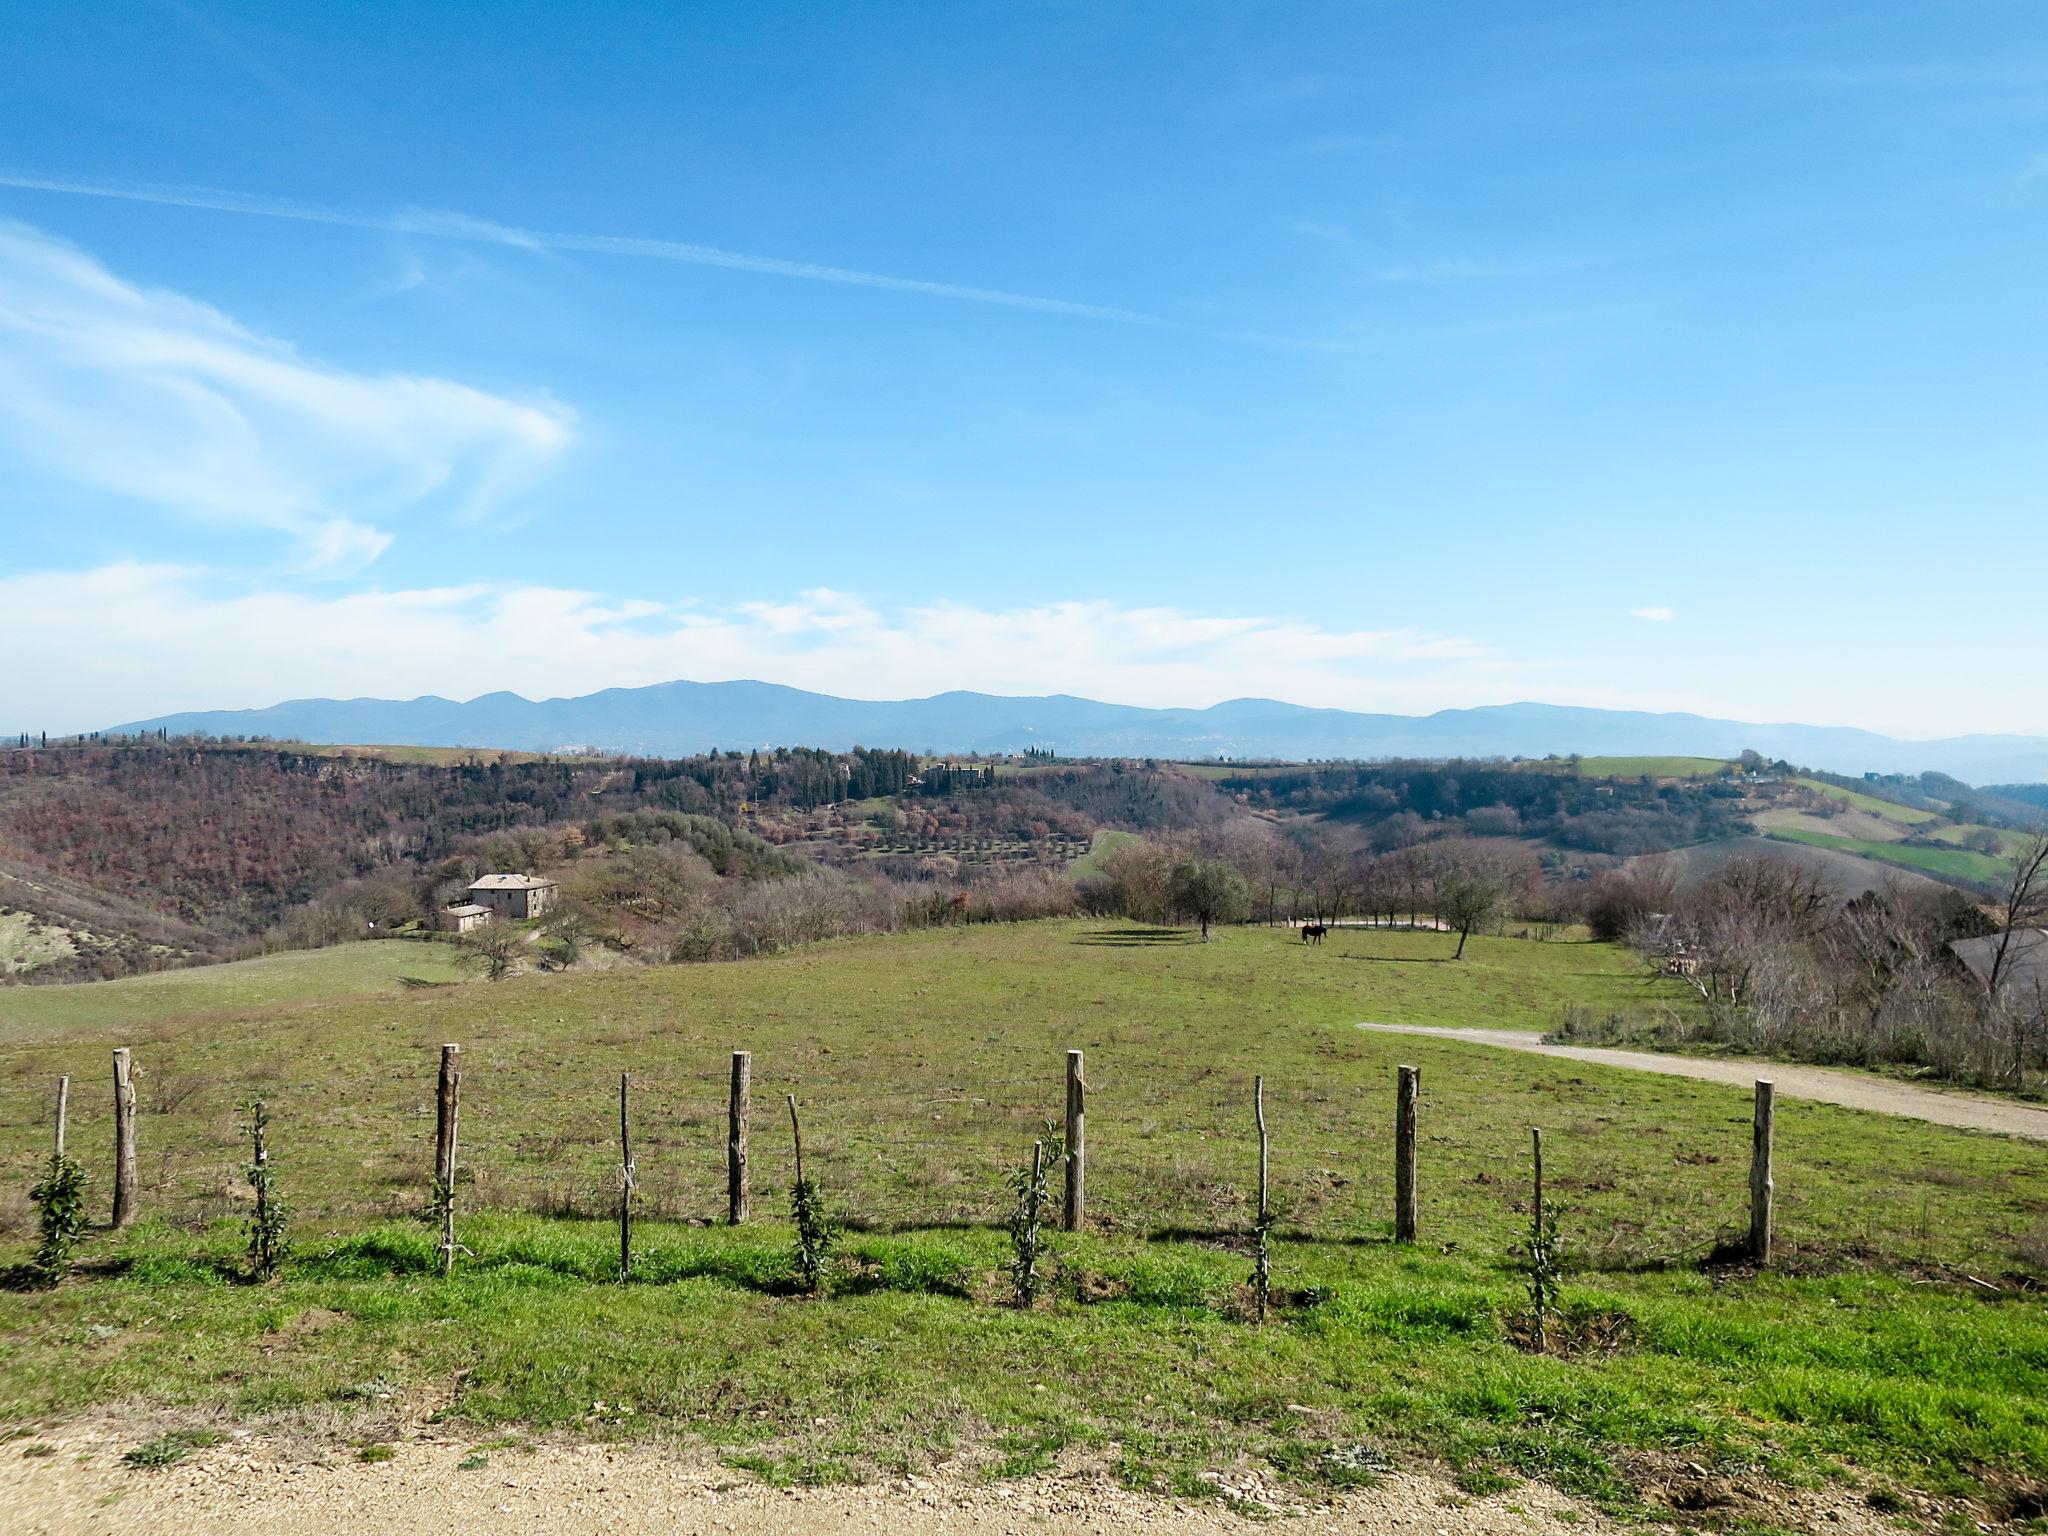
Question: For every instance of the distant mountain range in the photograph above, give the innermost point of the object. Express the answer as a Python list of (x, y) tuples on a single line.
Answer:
[(677, 719)]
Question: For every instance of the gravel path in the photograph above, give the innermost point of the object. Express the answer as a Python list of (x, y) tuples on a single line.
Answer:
[(1851, 1090), (80, 1486)]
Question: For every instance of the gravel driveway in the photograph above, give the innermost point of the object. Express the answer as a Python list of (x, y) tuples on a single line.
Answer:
[(1851, 1090)]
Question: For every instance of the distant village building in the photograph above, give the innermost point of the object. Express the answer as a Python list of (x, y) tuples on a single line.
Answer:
[(462, 918), (517, 897)]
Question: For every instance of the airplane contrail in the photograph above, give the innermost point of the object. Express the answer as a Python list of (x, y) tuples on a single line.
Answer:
[(457, 226)]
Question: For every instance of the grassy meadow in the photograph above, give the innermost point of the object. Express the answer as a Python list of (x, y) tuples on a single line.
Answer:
[(1654, 767), (1891, 810), (1950, 863), (288, 979), (926, 1063)]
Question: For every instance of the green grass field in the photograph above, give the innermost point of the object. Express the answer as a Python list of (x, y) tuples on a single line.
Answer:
[(382, 967), (1952, 863), (926, 1063), (1891, 810), (1655, 767), (1100, 846), (1957, 832)]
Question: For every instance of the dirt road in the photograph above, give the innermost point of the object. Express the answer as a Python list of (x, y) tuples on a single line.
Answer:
[(430, 1487), (1851, 1090)]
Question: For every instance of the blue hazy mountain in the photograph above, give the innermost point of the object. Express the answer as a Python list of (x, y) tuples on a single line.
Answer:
[(680, 718)]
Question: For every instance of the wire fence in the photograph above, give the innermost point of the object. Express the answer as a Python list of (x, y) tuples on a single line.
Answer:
[(1171, 1151)]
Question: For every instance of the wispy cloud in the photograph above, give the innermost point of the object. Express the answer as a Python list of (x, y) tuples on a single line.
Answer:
[(460, 226), (1654, 615), (161, 638), (168, 402)]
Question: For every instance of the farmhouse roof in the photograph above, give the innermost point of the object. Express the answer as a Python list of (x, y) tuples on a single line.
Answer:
[(468, 909), (2026, 961), (510, 883)]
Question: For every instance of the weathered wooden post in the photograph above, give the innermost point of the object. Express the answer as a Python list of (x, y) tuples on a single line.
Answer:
[(625, 1189), (737, 1109), (124, 1138), (1405, 1097), (1762, 1188), (1076, 1212), (63, 1109), (447, 1107)]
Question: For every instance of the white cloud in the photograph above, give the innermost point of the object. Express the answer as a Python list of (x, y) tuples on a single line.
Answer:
[(158, 398), (461, 226), (163, 638), (1654, 615)]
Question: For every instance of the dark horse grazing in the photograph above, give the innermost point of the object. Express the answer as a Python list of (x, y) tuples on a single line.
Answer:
[(1312, 933)]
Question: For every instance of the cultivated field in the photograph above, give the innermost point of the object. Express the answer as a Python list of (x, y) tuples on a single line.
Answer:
[(926, 1063), (1655, 767), (1890, 810), (1980, 869)]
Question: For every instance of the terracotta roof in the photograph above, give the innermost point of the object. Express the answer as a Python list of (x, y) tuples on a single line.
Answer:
[(510, 883), (467, 909)]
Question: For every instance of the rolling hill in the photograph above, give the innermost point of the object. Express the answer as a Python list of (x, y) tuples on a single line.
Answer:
[(681, 718)]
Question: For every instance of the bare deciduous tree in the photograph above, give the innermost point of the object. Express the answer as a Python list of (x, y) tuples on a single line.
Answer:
[(2022, 905)]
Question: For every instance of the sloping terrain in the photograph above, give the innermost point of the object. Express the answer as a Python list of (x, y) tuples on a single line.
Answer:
[(1848, 874), (1873, 1359)]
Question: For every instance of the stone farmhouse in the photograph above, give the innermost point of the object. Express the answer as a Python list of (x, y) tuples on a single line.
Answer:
[(462, 918), (517, 897)]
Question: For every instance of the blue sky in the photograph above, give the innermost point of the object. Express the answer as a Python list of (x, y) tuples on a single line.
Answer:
[(1383, 356)]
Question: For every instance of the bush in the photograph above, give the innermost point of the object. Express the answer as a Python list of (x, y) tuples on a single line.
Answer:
[(1024, 895), (1026, 1238), (59, 1199)]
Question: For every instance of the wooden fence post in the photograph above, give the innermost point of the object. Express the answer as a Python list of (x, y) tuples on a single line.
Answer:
[(124, 1138), (736, 1114), (796, 1134), (1404, 1154), (447, 1107), (625, 1189), (63, 1109), (444, 1118), (1762, 1188), (1076, 1212)]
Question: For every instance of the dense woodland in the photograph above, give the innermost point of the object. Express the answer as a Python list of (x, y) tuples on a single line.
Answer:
[(1402, 803), (164, 852)]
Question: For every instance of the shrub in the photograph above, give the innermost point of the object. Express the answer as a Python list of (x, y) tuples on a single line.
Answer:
[(1025, 1236), (814, 1234), (1024, 895), (59, 1199)]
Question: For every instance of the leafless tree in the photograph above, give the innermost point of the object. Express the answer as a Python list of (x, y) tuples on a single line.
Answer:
[(2022, 905), (494, 950)]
